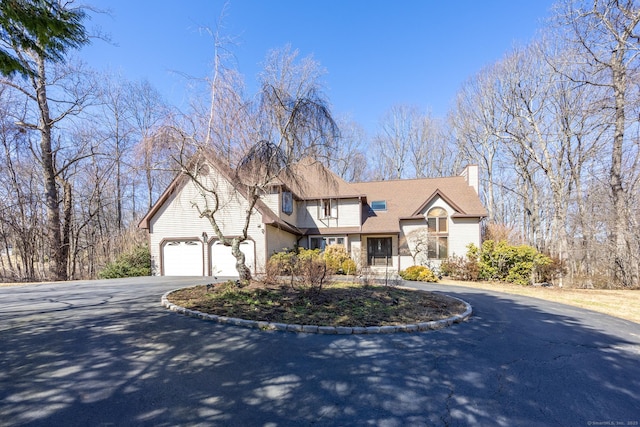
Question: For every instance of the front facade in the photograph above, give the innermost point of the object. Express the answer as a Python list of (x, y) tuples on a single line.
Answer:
[(388, 225)]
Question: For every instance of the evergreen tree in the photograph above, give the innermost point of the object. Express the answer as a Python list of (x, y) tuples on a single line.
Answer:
[(43, 28), (33, 34)]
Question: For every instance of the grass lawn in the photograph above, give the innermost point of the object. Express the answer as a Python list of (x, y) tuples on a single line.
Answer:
[(618, 303)]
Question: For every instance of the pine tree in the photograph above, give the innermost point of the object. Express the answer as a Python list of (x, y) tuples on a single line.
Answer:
[(43, 28)]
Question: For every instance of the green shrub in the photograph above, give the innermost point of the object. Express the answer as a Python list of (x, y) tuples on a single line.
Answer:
[(306, 255), (305, 267), (309, 267), (135, 263), (509, 263), (283, 263), (290, 261), (418, 273), (312, 268), (338, 260)]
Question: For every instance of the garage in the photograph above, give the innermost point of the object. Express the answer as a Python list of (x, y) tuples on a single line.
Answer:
[(182, 258), (223, 263)]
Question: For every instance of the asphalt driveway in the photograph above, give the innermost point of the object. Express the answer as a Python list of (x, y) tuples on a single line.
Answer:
[(105, 353)]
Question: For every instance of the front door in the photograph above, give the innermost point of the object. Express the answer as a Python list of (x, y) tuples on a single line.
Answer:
[(379, 251)]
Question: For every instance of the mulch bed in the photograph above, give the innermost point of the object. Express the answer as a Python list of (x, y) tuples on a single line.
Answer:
[(340, 304)]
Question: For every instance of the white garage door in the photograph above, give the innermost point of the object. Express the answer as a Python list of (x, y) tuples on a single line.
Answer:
[(182, 259), (223, 263)]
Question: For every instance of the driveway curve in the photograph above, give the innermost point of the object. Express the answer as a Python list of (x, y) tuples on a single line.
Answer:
[(107, 353)]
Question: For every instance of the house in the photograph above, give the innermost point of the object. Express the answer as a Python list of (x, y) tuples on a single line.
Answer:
[(388, 225)]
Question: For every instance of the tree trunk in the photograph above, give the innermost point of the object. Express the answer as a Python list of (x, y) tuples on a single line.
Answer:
[(66, 226), (620, 273), (57, 259), (243, 270)]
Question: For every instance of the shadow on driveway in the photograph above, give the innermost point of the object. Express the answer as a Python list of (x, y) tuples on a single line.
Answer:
[(114, 363)]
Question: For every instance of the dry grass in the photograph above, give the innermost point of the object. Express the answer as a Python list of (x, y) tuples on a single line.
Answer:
[(624, 304), (2, 285)]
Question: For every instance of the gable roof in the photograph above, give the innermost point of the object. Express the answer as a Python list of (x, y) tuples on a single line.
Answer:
[(309, 180), (268, 216), (407, 198)]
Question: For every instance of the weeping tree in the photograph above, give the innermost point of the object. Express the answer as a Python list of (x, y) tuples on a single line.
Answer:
[(260, 141)]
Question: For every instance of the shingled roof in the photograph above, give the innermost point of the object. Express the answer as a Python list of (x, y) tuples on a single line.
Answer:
[(314, 181), (406, 199)]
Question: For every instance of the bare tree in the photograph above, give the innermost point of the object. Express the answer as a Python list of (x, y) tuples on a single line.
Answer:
[(392, 144), (152, 152), (19, 220), (262, 141), (476, 121), (606, 32), (28, 48), (349, 160)]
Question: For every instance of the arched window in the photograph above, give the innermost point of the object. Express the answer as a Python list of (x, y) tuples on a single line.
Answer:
[(437, 220), (437, 224)]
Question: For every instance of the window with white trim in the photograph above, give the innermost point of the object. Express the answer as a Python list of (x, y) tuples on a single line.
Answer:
[(335, 241), (438, 236), (318, 242), (328, 208), (379, 205)]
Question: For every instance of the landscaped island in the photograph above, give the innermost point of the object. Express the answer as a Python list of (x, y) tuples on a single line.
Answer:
[(338, 304)]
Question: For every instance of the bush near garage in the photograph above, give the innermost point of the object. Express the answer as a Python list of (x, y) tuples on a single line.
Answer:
[(418, 273), (310, 267), (134, 263), (283, 263), (304, 267)]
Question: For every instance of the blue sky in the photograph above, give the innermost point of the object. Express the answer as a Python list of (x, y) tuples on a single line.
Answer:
[(377, 53)]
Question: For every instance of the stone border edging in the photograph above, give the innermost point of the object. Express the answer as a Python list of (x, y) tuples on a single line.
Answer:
[(313, 329)]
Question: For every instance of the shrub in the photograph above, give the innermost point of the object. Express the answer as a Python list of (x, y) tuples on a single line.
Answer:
[(505, 262), (461, 268), (307, 267), (312, 268), (552, 271), (338, 260), (283, 263), (134, 263), (418, 273)]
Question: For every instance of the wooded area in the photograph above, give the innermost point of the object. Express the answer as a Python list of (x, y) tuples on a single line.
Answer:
[(553, 125)]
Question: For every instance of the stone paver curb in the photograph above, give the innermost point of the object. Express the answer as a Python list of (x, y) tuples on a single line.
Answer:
[(327, 330)]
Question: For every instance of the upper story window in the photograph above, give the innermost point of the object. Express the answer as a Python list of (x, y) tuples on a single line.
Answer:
[(379, 205), (437, 220), (328, 208), (287, 202), (437, 242)]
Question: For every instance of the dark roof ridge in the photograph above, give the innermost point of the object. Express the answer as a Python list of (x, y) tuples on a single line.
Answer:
[(378, 181)]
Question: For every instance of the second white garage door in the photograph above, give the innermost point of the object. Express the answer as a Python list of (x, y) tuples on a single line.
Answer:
[(223, 263)]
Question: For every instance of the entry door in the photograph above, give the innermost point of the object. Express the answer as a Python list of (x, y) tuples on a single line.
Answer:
[(379, 251)]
